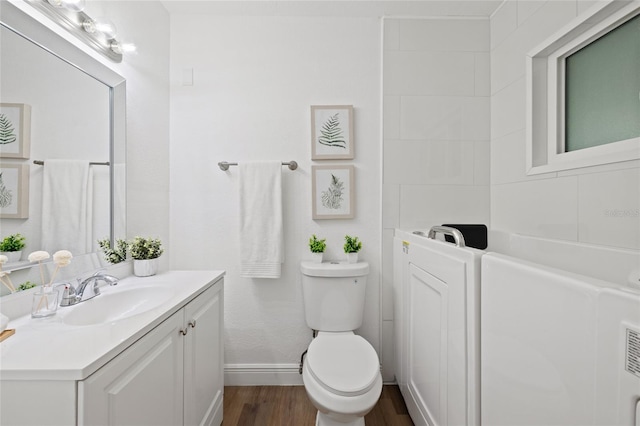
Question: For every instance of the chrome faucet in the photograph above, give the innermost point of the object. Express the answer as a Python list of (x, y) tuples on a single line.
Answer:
[(87, 289)]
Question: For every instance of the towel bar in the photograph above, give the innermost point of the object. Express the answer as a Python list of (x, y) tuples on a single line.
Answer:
[(224, 165), (91, 163)]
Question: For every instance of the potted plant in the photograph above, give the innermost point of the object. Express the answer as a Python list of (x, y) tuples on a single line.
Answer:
[(351, 247), (145, 253), (113, 255), (12, 246), (317, 248)]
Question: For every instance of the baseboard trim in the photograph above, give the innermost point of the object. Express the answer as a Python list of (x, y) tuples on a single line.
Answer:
[(262, 375)]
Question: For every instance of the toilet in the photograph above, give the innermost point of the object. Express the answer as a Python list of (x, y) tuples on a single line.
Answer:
[(341, 371)]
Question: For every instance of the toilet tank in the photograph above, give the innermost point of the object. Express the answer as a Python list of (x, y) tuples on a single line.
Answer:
[(334, 294)]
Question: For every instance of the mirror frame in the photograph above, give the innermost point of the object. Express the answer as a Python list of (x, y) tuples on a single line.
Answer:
[(15, 19)]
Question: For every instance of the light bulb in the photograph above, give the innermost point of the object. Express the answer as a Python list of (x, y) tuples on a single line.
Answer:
[(74, 5), (106, 27), (121, 48), (89, 26)]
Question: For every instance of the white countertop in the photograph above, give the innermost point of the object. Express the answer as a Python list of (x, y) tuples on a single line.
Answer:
[(49, 349)]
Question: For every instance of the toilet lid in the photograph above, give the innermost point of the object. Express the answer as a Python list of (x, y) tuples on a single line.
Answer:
[(345, 364)]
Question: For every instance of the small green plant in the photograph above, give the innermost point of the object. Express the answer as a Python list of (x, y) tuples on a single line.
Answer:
[(316, 245), (114, 255), (145, 248), (15, 242), (351, 244), (26, 286)]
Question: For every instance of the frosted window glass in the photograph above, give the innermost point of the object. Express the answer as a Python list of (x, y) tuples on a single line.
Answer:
[(602, 83)]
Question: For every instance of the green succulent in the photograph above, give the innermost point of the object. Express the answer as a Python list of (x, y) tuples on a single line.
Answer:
[(15, 242), (316, 245), (352, 244)]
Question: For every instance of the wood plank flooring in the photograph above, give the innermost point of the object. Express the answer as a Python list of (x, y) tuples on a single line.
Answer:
[(289, 406)]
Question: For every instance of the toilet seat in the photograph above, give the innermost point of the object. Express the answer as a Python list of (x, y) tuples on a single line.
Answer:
[(343, 363)]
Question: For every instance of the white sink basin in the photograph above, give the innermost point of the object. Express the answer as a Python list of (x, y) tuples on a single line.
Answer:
[(116, 305)]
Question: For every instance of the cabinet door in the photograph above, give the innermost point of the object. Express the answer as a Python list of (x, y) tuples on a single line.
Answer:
[(203, 363), (141, 386)]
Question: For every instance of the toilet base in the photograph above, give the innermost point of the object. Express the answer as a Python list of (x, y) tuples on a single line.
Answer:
[(323, 419)]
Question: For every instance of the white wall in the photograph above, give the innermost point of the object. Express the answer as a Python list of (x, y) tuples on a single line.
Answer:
[(595, 205), (436, 133), (254, 80)]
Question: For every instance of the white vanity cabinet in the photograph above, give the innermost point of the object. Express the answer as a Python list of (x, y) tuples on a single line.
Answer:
[(171, 376), (160, 366)]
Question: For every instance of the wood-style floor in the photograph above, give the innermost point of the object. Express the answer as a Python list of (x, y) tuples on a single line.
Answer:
[(289, 406)]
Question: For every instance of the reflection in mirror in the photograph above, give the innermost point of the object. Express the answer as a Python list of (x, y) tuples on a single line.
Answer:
[(77, 195)]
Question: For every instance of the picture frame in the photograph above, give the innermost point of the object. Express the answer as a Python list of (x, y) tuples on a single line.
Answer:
[(14, 191), (332, 132), (333, 192), (15, 130)]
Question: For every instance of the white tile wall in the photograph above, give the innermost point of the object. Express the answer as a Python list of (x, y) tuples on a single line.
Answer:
[(527, 8), (422, 206), (503, 22), (444, 118), (429, 73), (508, 109), (391, 117), (542, 208), (482, 75), (436, 87), (508, 56), (444, 35), (609, 208), (429, 162)]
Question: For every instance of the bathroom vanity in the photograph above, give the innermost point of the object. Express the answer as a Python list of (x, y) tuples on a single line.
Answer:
[(146, 351)]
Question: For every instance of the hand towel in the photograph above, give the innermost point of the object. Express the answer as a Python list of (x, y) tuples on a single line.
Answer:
[(64, 205), (261, 228)]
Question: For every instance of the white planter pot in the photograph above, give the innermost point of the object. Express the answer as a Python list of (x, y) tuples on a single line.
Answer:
[(12, 256), (316, 257), (352, 257), (145, 267)]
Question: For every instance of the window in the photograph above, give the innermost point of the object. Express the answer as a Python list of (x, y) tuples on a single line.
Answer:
[(583, 91)]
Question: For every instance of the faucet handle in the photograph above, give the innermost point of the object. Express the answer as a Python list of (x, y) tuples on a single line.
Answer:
[(69, 295)]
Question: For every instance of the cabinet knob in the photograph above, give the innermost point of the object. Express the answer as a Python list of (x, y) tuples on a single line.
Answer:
[(184, 331), (192, 324)]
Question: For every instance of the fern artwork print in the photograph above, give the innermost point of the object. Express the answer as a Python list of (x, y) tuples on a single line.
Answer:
[(14, 191), (14, 130), (333, 192), (332, 132)]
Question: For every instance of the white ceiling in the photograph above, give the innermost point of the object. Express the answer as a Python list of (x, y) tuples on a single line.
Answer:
[(351, 8)]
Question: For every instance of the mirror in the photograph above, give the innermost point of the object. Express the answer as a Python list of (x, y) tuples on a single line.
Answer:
[(77, 122)]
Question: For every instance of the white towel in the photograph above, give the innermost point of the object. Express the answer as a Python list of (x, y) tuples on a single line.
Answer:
[(65, 187), (261, 228)]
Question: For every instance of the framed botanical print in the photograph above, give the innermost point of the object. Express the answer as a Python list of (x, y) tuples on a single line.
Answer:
[(333, 192), (15, 130), (332, 132), (14, 191)]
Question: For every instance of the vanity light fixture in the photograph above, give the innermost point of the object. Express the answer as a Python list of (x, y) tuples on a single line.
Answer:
[(99, 33)]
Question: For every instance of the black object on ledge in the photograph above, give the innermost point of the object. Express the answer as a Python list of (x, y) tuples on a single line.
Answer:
[(474, 235)]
